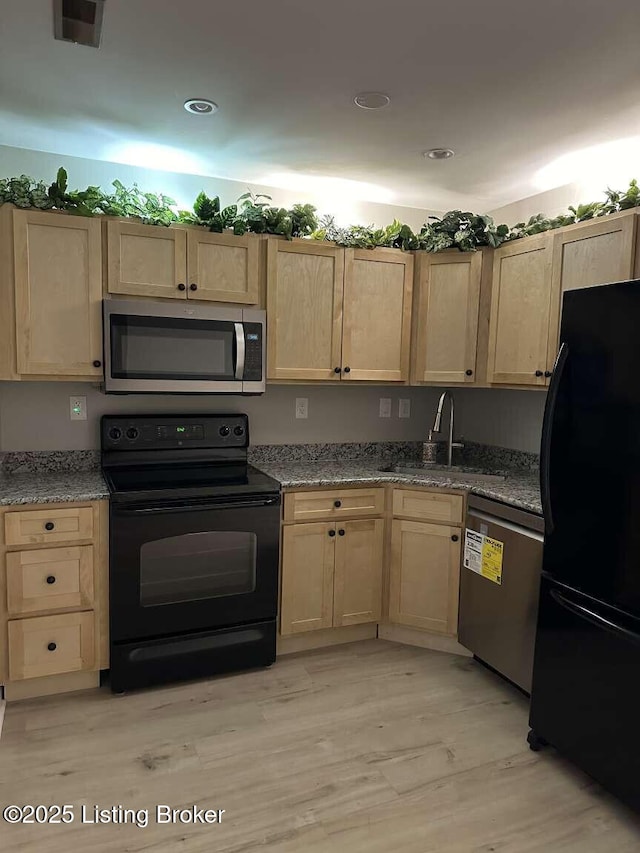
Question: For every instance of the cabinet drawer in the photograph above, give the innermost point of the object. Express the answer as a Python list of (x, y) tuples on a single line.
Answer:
[(48, 645), (333, 504), (428, 506), (49, 579), (34, 526)]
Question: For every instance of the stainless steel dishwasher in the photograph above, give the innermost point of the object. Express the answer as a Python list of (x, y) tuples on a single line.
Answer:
[(497, 621)]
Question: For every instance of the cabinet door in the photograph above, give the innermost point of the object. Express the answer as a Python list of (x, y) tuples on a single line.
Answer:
[(357, 589), (424, 578), (146, 260), (447, 302), (304, 310), (378, 285), (58, 281), (308, 556), (587, 255), (520, 312), (223, 267)]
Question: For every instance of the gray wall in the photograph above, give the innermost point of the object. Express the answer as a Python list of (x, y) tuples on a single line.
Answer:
[(35, 415)]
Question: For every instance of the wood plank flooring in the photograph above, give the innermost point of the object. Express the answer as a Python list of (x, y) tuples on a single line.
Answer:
[(366, 748)]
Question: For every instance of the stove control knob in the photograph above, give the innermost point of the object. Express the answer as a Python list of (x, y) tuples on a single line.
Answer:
[(132, 433), (224, 431), (115, 433), (238, 430)]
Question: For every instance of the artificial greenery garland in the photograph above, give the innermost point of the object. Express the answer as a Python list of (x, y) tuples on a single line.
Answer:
[(253, 213)]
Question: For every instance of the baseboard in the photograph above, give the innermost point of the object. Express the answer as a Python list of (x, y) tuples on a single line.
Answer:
[(416, 637), (49, 685), (325, 637)]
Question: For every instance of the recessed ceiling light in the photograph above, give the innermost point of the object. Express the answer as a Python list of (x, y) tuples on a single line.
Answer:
[(439, 153), (200, 106), (371, 100)]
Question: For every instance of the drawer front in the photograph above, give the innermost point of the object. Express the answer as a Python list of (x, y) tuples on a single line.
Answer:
[(428, 506), (49, 579), (36, 526), (49, 645), (333, 504)]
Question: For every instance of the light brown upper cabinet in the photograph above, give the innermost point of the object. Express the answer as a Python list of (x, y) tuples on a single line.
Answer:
[(57, 270), (338, 314), (304, 310), (445, 319), (376, 330), (180, 263), (521, 305)]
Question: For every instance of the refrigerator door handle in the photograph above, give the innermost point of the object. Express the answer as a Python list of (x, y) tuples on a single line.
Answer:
[(547, 429), (593, 617)]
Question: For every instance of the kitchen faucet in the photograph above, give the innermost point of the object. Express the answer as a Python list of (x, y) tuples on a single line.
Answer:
[(438, 422)]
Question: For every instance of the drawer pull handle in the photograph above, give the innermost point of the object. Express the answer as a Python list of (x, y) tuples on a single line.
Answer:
[(332, 533), (49, 525), (52, 647), (51, 579), (337, 504), (340, 532), (454, 538)]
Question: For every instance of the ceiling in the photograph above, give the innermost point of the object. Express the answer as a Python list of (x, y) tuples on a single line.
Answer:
[(509, 86)]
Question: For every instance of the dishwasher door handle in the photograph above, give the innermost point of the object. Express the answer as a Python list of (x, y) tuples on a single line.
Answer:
[(507, 525)]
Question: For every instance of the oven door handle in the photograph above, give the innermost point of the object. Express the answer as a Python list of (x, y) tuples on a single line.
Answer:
[(240, 350), (194, 507)]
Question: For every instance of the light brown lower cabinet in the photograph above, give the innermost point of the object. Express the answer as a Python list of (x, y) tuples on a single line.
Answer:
[(424, 576), (331, 574), (50, 645)]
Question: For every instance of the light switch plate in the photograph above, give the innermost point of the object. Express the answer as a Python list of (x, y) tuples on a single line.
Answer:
[(302, 407), (404, 408), (385, 407), (78, 408)]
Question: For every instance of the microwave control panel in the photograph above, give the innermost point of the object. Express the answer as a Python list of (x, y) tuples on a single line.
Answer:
[(252, 352)]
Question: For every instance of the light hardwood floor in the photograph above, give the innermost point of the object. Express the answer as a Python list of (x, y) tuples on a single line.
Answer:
[(366, 748)]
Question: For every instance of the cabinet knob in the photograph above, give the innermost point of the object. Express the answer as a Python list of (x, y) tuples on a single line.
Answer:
[(182, 286), (337, 504), (548, 373), (51, 579), (49, 525), (340, 532), (52, 647), (539, 373), (193, 286), (455, 538), (332, 533), (336, 370), (347, 370), (468, 372), (97, 363)]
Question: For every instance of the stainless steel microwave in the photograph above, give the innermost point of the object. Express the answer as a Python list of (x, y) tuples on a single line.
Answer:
[(168, 348)]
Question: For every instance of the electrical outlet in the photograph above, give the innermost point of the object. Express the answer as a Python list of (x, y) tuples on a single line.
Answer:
[(404, 408), (302, 407), (385, 407), (78, 408)]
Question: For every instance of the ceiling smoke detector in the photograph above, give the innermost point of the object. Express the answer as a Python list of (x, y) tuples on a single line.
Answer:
[(200, 106), (78, 21), (371, 100), (439, 153)]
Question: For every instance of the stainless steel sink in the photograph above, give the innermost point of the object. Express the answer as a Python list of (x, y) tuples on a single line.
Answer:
[(458, 472)]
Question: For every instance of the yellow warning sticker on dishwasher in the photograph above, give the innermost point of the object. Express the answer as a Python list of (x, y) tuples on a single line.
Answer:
[(483, 555)]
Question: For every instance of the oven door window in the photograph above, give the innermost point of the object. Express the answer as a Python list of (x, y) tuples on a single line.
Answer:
[(196, 566), (172, 348)]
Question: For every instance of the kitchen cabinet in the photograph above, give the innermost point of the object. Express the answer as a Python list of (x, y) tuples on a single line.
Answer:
[(56, 269), (338, 315), (521, 312), (181, 263), (446, 310), (331, 569)]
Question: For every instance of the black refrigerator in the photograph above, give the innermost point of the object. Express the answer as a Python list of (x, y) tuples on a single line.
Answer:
[(585, 697)]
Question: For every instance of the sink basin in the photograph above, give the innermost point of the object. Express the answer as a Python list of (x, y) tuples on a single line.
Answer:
[(458, 472)]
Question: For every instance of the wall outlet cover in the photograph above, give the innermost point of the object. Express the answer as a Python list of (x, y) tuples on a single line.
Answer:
[(302, 407), (78, 408), (385, 407), (404, 408)]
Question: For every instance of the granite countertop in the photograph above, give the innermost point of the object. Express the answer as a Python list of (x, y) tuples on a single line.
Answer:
[(52, 487), (520, 488)]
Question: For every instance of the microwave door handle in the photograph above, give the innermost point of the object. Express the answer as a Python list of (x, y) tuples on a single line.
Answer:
[(240, 350)]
